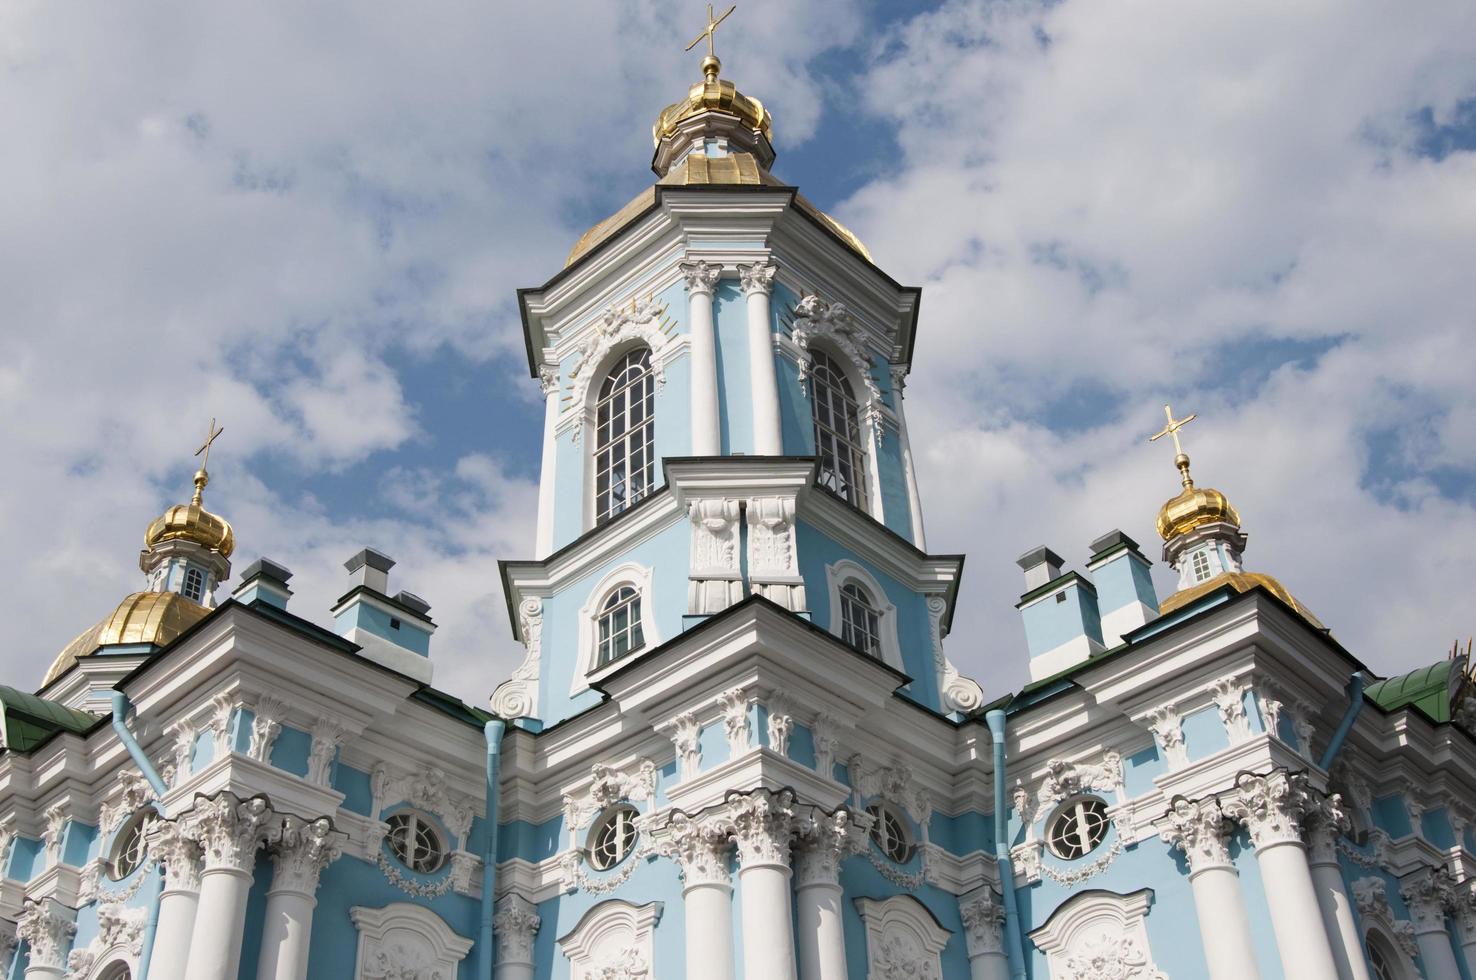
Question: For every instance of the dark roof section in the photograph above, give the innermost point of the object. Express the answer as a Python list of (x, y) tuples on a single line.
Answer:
[(1430, 689), (27, 721)]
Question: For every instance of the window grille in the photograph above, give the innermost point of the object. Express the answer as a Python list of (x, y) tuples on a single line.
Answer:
[(1201, 566), (860, 621), (614, 839), (194, 584), (620, 626), (889, 834), (415, 843), (1078, 828), (838, 441), (131, 847), (625, 435)]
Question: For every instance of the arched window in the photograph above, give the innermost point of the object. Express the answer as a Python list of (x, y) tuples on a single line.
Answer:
[(1380, 962), (194, 584), (1077, 828), (415, 842), (613, 838), (889, 833), (838, 440), (625, 435), (860, 621), (130, 847), (620, 626)]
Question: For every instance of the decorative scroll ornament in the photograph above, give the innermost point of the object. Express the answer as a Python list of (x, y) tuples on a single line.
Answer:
[(327, 736), (56, 825), (1271, 806), (222, 709), (983, 921), (815, 318), (1167, 725), (1229, 697), (134, 792), (117, 928), (823, 733), (1199, 829), (715, 581), (426, 789), (266, 725), (686, 739), (607, 787), (1065, 779), (773, 565), (640, 320), (734, 704), (1108, 957), (895, 783), (183, 734), (1372, 898), (780, 723), (959, 693), (517, 697)]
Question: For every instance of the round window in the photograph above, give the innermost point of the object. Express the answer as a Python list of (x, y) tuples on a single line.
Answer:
[(131, 846), (415, 842), (889, 833), (1077, 828), (613, 838)]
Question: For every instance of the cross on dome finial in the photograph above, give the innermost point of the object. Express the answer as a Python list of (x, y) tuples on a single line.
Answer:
[(711, 64), (203, 477), (1181, 459)]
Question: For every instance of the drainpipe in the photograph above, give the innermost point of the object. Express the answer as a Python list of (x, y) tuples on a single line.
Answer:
[(135, 752), (1014, 946), (1356, 684), (493, 732)]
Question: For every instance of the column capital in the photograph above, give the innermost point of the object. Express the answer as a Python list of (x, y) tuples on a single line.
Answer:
[(300, 850), (548, 378), (1199, 829), (229, 830), (47, 926), (179, 852), (700, 276), (1271, 806), (1428, 892), (700, 847), (983, 921), (1326, 822), (762, 822), (827, 839), (515, 924), (758, 277)]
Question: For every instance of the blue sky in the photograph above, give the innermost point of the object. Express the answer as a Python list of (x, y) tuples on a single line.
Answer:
[(309, 221)]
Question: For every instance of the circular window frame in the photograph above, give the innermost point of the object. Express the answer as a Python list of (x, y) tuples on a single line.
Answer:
[(135, 828), (431, 827), (880, 812), (607, 819), (1066, 810)]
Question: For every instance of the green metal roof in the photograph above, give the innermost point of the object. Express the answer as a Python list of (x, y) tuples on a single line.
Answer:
[(1429, 688), (26, 720)]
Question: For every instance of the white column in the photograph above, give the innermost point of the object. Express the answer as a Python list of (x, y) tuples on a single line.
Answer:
[(47, 926), (983, 922), (827, 841), (1428, 893), (1332, 893), (701, 849), (548, 377), (1271, 807), (763, 822), (909, 467), (701, 279), (229, 833), (1465, 916), (300, 852), (758, 285), (515, 924), (1198, 829), (178, 901)]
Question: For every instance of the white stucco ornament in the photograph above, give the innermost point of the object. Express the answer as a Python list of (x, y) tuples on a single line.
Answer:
[(639, 321)]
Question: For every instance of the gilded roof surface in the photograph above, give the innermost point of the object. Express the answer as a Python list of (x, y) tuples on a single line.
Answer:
[(192, 522), (1241, 582), (1195, 507), (714, 94), (144, 617)]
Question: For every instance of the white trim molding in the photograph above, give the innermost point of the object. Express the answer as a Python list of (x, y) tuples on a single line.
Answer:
[(613, 941), (402, 940), (902, 938), (1099, 935), (620, 328), (629, 573), (836, 575)]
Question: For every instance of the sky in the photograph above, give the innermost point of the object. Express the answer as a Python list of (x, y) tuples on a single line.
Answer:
[(309, 220)]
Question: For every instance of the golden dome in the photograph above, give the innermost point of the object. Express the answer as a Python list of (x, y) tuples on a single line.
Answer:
[(713, 94), (144, 617), (192, 522), (1195, 507), (1240, 582)]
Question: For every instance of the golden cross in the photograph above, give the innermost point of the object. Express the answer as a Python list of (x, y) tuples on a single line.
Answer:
[(1172, 429), (210, 435), (712, 26)]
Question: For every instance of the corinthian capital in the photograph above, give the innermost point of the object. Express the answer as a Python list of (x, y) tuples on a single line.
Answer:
[(180, 854), (1271, 806), (516, 923), (983, 921), (825, 840), (301, 849), (229, 830), (701, 277), (1429, 892), (699, 845), (757, 278), (47, 927), (1198, 828), (762, 823), (1326, 821)]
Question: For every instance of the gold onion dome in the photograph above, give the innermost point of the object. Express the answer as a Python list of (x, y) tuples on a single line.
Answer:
[(144, 617), (192, 522), (1195, 507), (713, 94)]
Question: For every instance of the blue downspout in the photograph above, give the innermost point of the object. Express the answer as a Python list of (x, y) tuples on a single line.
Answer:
[(1356, 684), (22, 950), (1014, 946), (136, 753), (493, 731)]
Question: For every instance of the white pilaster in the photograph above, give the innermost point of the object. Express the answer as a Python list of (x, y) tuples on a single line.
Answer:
[(700, 847), (983, 922), (1428, 893), (1323, 829), (763, 822), (1198, 829), (178, 902), (300, 852), (909, 466), (758, 286), (515, 924), (1272, 807), (701, 279), (1465, 916), (827, 841), (548, 378), (229, 832)]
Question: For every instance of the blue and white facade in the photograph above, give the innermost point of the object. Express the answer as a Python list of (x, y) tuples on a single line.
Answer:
[(736, 746)]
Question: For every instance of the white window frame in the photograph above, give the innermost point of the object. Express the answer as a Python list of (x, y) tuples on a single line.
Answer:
[(901, 926), (1090, 922), (846, 570), (139, 821), (441, 837), (865, 444), (1062, 811), (590, 429), (637, 577), (608, 816), (405, 937), (908, 838), (184, 584), (611, 936)]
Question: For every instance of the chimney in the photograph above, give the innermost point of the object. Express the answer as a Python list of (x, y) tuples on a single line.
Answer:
[(1062, 625), (393, 632), (264, 581), (1125, 590)]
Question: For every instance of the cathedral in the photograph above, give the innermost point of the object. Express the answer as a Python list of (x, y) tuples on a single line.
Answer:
[(736, 746)]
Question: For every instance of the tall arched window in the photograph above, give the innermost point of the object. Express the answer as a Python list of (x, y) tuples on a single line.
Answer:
[(860, 622), (838, 440), (625, 435), (194, 584), (620, 626)]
